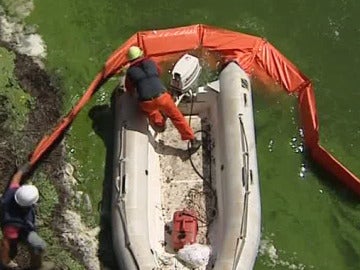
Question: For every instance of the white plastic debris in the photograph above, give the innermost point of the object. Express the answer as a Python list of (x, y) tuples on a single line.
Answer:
[(195, 255)]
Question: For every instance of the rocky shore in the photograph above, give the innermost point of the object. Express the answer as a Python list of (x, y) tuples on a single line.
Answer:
[(44, 101)]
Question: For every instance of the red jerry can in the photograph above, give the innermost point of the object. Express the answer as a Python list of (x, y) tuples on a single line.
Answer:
[(185, 228)]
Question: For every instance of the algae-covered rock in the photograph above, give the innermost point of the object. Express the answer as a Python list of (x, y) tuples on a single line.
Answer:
[(15, 104)]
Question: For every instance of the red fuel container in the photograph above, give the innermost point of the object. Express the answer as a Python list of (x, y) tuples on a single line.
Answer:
[(185, 228)]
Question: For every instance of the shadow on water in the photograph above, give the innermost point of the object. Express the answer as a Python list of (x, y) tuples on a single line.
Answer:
[(102, 117), (334, 185), (344, 215)]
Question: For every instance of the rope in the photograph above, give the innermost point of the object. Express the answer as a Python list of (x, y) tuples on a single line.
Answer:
[(195, 195)]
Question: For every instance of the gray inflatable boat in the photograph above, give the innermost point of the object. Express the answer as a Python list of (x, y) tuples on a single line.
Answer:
[(152, 177)]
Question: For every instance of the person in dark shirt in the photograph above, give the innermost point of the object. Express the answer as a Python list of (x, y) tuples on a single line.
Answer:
[(18, 223), (154, 100)]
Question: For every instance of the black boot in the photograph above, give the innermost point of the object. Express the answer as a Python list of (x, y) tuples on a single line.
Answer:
[(36, 262)]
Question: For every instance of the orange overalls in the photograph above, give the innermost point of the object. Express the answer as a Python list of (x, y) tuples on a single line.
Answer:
[(154, 100), (165, 104)]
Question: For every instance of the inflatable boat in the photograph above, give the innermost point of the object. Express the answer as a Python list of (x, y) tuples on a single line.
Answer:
[(141, 215)]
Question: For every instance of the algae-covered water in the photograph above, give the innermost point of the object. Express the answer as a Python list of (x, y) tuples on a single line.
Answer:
[(308, 221)]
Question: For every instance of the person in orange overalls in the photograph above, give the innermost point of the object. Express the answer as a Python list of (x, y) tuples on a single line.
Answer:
[(154, 100)]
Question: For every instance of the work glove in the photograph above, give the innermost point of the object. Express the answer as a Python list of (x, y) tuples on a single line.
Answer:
[(11, 265), (25, 168)]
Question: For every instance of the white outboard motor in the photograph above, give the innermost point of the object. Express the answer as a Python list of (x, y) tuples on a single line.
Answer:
[(185, 73)]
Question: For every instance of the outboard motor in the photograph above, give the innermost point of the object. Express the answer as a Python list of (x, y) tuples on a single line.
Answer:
[(185, 73)]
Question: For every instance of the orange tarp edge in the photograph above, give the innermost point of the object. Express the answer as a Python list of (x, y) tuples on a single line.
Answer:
[(254, 54)]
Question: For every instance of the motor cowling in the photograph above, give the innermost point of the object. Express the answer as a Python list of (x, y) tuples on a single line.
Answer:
[(185, 73), (185, 228)]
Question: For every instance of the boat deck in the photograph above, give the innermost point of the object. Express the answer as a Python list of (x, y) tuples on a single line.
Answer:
[(181, 186)]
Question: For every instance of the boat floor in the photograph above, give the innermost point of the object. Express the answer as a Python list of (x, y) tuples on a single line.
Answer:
[(181, 186)]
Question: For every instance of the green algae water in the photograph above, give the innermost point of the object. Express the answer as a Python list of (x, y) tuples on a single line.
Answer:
[(308, 220)]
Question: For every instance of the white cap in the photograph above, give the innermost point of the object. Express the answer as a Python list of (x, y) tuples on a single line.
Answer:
[(26, 195)]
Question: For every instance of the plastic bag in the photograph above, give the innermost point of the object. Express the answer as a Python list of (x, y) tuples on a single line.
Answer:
[(195, 255)]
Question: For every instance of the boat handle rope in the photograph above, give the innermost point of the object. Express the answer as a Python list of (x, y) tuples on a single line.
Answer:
[(246, 171), (121, 209), (120, 188), (121, 178)]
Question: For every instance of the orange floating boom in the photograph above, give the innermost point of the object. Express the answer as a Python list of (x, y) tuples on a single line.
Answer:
[(255, 55)]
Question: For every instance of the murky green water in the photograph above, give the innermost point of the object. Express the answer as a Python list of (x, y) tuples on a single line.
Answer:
[(308, 222)]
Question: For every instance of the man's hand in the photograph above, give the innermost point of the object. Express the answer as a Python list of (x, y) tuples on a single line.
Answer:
[(17, 177), (25, 168), (12, 265)]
